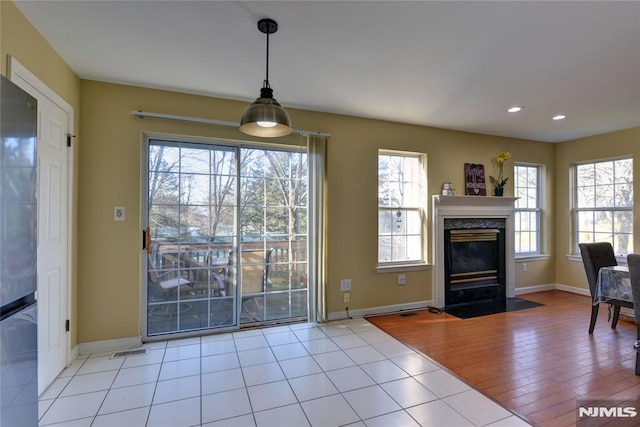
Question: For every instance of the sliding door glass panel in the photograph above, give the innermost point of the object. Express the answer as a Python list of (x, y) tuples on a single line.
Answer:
[(192, 223), (273, 235), (228, 237)]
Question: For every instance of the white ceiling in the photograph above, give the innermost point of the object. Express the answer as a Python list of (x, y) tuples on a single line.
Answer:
[(449, 64)]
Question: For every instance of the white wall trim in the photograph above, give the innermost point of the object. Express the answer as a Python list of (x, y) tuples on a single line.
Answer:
[(534, 289), (18, 71), (109, 345), (573, 289), (420, 305), (385, 309), (75, 352)]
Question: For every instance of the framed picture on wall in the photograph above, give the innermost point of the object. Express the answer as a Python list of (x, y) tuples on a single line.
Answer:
[(474, 182)]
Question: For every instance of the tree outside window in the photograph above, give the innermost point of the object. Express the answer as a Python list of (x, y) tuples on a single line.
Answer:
[(401, 191), (603, 204)]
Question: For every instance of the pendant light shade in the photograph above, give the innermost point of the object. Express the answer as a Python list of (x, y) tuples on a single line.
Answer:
[(265, 117)]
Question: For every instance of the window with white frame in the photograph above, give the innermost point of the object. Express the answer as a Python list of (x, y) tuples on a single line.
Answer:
[(603, 204), (527, 188), (401, 201)]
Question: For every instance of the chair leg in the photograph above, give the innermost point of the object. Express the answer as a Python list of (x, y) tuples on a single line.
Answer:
[(616, 316), (594, 316), (636, 347)]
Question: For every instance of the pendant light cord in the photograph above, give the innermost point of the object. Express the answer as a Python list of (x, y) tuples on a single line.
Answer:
[(266, 81)]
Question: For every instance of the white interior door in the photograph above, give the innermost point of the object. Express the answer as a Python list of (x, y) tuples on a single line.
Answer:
[(53, 202), (52, 242)]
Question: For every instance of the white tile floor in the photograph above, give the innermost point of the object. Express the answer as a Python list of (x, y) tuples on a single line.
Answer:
[(333, 374)]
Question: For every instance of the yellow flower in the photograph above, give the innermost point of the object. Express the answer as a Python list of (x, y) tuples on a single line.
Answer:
[(500, 160), (503, 157)]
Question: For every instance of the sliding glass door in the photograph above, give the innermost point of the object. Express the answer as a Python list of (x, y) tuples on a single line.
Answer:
[(226, 238)]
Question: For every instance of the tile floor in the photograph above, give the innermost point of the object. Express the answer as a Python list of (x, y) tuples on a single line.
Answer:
[(333, 374)]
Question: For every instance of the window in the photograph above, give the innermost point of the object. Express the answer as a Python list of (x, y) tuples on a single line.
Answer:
[(401, 190), (603, 204), (527, 188)]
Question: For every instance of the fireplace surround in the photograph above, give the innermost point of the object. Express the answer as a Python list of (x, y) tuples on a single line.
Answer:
[(484, 215)]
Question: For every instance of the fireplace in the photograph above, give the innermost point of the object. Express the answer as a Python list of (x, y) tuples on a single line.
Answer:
[(473, 244), (474, 260)]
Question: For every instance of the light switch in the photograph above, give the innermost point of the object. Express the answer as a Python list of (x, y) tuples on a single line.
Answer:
[(118, 213)]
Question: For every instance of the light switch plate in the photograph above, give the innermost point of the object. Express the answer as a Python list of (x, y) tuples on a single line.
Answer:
[(118, 213)]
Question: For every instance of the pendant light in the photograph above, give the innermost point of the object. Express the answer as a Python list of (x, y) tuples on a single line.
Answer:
[(265, 116)]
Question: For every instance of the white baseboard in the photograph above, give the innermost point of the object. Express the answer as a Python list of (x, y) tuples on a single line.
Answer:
[(386, 309), (75, 352), (573, 290), (109, 345), (533, 289)]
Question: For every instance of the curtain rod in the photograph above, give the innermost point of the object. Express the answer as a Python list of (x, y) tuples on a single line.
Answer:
[(143, 114)]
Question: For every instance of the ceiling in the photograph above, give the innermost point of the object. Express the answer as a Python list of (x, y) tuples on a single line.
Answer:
[(450, 64)]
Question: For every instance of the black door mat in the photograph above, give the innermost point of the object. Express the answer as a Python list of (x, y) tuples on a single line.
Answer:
[(485, 308)]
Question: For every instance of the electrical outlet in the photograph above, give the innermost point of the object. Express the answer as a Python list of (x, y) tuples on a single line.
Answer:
[(345, 285), (402, 279), (347, 296), (524, 267)]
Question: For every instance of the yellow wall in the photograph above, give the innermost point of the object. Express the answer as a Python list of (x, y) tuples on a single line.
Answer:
[(110, 173), (19, 39), (106, 263), (615, 144)]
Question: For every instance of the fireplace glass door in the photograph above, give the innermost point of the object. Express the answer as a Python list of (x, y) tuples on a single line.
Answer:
[(474, 266)]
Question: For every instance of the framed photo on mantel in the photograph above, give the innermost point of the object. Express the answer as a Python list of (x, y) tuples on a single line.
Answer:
[(474, 182)]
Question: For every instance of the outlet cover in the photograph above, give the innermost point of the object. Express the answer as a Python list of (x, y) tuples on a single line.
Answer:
[(118, 213), (402, 279), (347, 297), (345, 285)]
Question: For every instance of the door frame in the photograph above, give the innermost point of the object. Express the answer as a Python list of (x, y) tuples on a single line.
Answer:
[(144, 209), (144, 223), (29, 82)]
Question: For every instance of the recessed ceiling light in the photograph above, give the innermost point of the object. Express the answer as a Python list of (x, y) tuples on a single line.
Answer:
[(515, 109), (559, 117)]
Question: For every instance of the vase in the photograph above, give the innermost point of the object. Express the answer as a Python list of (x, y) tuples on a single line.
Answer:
[(498, 191)]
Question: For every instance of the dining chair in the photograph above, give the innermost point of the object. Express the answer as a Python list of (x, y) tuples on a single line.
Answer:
[(633, 261), (255, 281), (167, 283), (594, 257)]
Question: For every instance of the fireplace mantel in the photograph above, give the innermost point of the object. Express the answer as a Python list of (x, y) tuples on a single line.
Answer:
[(470, 207)]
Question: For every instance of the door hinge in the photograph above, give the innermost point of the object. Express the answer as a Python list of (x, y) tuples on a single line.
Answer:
[(69, 136), (66, 325)]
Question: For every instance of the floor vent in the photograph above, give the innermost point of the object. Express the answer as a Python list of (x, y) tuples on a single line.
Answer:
[(126, 353), (411, 313)]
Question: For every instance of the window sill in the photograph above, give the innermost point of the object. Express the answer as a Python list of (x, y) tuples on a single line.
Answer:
[(532, 257), (394, 268)]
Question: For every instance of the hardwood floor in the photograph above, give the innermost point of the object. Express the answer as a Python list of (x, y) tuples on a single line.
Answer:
[(536, 362)]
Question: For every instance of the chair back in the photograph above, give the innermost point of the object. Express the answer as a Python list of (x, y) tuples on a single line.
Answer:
[(255, 270), (151, 270), (594, 257), (633, 260)]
